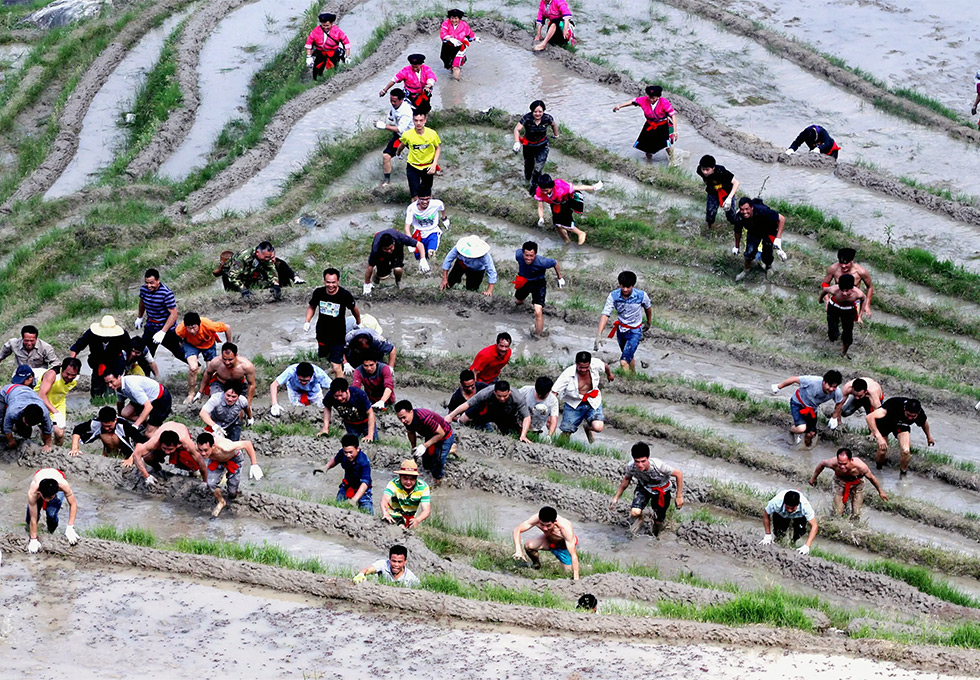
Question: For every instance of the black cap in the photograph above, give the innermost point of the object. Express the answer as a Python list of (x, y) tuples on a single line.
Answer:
[(455, 13), (416, 59), (327, 16)]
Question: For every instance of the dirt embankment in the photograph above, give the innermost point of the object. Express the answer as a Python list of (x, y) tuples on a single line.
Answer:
[(70, 123)]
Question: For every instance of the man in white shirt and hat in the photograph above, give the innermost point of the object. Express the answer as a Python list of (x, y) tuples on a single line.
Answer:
[(470, 257)]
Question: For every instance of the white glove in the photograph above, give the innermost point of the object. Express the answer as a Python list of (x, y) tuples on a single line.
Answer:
[(803, 549), (197, 396), (138, 323), (734, 250), (306, 326), (777, 244), (275, 410), (219, 431), (727, 203), (419, 452), (255, 472), (150, 480), (766, 540), (790, 152), (517, 147), (424, 266), (379, 404), (359, 578), (456, 42), (976, 406), (250, 422), (158, 337), (540, 221), (561, 282), (781, 254), (445, 223), (833, 423), (815, 149), (775, 388), (597, 186), (33, 546), (71, 535), (309, 60), (379, 125), (368, 287)]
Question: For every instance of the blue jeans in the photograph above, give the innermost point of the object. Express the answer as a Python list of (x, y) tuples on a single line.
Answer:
[(572, 417), (628, 340), (51, 511), (365, 502), (436, 462)]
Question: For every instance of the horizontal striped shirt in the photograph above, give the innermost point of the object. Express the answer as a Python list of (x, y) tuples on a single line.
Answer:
[(157, 304), (426, 423), (406, 502)]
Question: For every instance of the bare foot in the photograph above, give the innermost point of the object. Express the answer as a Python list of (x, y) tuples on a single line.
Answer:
[(581, 237), (219, 507), (589, 435), (540, 46)]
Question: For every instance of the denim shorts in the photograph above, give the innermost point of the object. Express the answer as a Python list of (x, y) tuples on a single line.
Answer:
[(192, 351), (572, 417)]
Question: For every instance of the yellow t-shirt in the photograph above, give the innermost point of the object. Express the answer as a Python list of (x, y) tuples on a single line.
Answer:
[(421, 148)]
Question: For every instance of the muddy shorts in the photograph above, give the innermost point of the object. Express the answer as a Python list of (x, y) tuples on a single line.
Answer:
[(780, 525), (297, 398), (796, 408), (192, 351), (538, 290), (629, 341), (642, 497), (572, 417), (560, 550), (234, 478), (50, 510)]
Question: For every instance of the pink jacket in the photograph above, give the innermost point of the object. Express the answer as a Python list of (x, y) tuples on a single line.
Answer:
[(415, 83), (661, 111), (553, 9), (561, 191), (327, 41), (461, 32)]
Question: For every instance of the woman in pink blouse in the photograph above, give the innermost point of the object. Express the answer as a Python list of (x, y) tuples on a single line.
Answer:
[(418, 82), (660, 129), (456, 36), (560, 195), (326, 46), (555, 20)]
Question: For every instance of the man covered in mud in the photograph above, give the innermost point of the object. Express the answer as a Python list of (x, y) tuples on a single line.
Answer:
[(721, 186), (21, 409), (531, 280), (47, 493), (406, 499), (812, 391), (223, 413), (226, 457), (789, 508), (28, 349), (846, 265), (578, 388), (817, 140), (387, 258), (149, 402), (116, 434), (858, 393), (505, 409), (849, 475), (355, 487), (331, 302), (228, 367), (763, 228), (842, 302), (653, 484), (398, 122), (252, 269), (305, 386), (171, 441), (490, 361), (896, 416), (630, 305), (391, 571), (557, 535), (362, 343), (354, 409), (542, 404)]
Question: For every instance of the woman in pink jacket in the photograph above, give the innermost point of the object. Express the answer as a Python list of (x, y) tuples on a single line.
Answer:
[(418, 81), (555, 20), (660, 129), (326, 46), (456, 36)]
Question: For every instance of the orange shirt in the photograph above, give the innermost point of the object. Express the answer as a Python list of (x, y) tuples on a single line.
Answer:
[(206, 336)]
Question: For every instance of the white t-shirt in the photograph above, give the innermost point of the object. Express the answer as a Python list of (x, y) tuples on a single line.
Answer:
[(401, 117), (540, 410), (425, 221), (383, 567), (140, 389)]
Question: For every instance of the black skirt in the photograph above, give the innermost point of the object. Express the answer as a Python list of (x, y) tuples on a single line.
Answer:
[(653, 137)]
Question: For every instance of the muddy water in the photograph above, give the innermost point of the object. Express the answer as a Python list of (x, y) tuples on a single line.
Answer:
[(239, 46), (102, 133)]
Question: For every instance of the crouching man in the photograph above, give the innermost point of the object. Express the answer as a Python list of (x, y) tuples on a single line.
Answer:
[(225, 456)]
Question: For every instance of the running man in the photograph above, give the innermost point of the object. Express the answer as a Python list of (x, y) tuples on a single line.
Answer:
[(652, 487), (422, 224), (630, 305), (406, 498), (896, 416), (48, 491), (789, 508), (21, 409), (354, 409), (391, 571), (355, 487), (858, 393), (557, 535), (200, 337), (470, 256), (223, 413), (456, 36), (398, 123), (229, 367), (226, 457), (171, 441), (29, 350), (721, 186), (326, 45), (817, 140), (490, 361), (116, 434), (53, 389), (846, 265), (555, 23), (531, 135), (660, 129), (419, 80), (387, 257), (560, 195), (842, 302), (578, 387), (531, 280), (305, 385), (332, 302), (763, 226), (805, 402), (158, 315), (424, 148), (849, 477), (149, 401), (429, 435)]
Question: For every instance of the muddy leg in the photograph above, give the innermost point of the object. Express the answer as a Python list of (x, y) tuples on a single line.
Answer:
[(533, 556), (548, 36), (456, 73), (192, 375), (538, 320), (220, 505), (563, 234)]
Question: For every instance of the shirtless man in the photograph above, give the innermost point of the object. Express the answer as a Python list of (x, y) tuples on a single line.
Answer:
[(117, 434), (173, 440), (849, 477), (225, 455), (557, 535), (843, 303), (47, 492), (229, 367), (578, 387), (858, 393), (847, 265)]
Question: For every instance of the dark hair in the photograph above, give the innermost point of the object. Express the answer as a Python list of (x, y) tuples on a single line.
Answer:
[(535, 104), (205, 438), (371, 356), (583, 357), (304, 369), (230, 347), (137, 344), (791, 498), (403, 405), (530, 245), (911, 405), (501, 386), (151, 274), (331, 271), (397, 92), (504, 335), (363, 339), (106, 414), (398, 550), (349, 440), (32, 414), (859, 385), (546, 181), (116, 371), (467, 374), (32, 330), (846, 451), (706, 161), (845, 282), (265, 247), (832, 377), (543, 385), (845, 255), (327, 16), (745, 200), (192, 319), (48, 488), (627, 279), (416, 59), (640, 450), (235, 386), (654, 90), (71, 361), (547, 514), (587, 602), (170, 438), (420, 111), (386, 240)]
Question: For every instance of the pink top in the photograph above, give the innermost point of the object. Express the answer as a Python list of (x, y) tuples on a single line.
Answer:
[(561, 191), (462, 32), (415, 82), (553, 9), (657, 113), (326, 41)]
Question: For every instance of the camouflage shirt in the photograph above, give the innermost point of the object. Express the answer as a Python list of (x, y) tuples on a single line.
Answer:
[(247, 271)]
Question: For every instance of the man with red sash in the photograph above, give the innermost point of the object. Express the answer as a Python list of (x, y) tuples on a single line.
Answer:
[(652, 486), (48, 490), (171, 441), (817, 140), (355, 487), (813, 391), (630, 305), (226, 456), (531, 270), (721, 187), (849, 477)]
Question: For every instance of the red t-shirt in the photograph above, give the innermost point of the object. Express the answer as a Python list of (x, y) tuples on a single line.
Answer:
[(487, 365)]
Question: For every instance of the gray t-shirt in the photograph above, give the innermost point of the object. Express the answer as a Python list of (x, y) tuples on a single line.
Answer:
[(140, 389), (514, 406), (13, 400), (383, 567), (540, 410), (812, 394), (223, 414), (658, 474)]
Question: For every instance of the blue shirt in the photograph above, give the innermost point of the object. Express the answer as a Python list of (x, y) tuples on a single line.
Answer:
[(320, 380), (537, 269), (477, 264), (812, 394), (357, 471), (630, 309), (355, 410)]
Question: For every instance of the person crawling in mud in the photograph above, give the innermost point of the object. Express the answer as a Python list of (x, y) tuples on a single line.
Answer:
[(554, 25), (362, 343), (305, 385), (149, 402), (326, 45), (721, 186), (21, 409), (226, 457), (116, 434), (817, 140), (355, 487), (578, 388), (387, 258), (652, 488), (660, 129), (406, 497), (470, 257), (171, 441), (501, 407), (849, 475), (228, 367), (842, 303), (630, 305), (858, 393), (896, 416), (789, 508), (223, 414), (48, 491), (392, 571), (252, 269), (846, 265), (557, 535), (531, 280), (803, 405), (763, 228)]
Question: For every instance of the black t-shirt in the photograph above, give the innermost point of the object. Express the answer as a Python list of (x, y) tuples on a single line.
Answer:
[(458, 397), (895, 420), (764, 221), (331, 324), (721, 178), (536, 134)]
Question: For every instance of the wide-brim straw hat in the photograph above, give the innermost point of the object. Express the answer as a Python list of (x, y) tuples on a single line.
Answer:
[(107, 328), (472, 246), (409, 467)]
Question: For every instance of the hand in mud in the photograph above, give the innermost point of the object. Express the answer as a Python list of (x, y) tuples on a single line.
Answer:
[(74, 452), (247, 295), (128, 462), (833, 423), (46, 448), (612, 504), (275, 410), (931, 442), (803, 549), (150, 481), (488, 293), (71, 535), (33, 546), (883, 495), (389, 520), (277, 293), (766, 540), (322, 433), (679, 503), (519, 556)]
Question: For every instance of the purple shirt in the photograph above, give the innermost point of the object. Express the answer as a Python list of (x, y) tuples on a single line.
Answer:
[(426, 423)]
